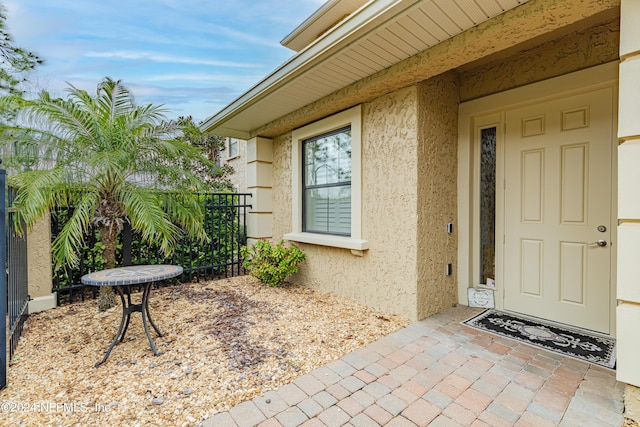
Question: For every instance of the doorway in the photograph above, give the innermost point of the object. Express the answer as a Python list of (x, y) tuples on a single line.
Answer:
[(558, 183), (541, 200)]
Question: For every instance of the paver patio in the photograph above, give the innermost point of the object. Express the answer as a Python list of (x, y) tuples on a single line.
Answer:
[(437, 372)]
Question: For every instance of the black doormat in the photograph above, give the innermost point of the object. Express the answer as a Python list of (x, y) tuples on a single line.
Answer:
[(583, 345)]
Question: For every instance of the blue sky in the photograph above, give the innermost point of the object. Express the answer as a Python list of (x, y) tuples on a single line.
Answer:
[(193, 56)]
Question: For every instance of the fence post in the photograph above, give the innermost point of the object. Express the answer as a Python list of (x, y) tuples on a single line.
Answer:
[(126, 244), (3, 279)]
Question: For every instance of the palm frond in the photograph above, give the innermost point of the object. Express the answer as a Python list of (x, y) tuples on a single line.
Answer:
[(38, 191), (147, 217), (64, 118), (187, 211), (67, 246)]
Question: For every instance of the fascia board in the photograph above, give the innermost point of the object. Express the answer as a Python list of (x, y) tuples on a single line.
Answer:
[(308, 23), (322, 20)]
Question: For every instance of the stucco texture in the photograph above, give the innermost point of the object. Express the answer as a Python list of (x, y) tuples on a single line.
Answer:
[(437, 193), (281, 186), (385, 277), (578, 50), (39, 256)]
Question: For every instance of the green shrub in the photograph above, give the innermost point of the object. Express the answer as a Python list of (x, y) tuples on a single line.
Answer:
[(271, 264)]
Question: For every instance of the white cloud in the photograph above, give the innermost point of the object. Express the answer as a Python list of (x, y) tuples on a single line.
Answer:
[(194, 56), (121, 54), (205, 77)]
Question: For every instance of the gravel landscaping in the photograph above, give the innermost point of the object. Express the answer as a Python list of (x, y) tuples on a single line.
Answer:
[(224, 342)]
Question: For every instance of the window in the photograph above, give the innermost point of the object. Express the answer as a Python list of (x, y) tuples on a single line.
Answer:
[(233, 147), (487, 204), (327, 183)]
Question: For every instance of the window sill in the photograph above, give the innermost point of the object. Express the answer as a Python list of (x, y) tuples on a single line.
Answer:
[(326, 240), (233, 157)]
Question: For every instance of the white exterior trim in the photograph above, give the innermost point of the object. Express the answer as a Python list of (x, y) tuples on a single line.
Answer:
[(352, 117)]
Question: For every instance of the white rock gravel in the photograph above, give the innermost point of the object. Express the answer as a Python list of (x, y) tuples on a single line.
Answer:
[(224, 342)]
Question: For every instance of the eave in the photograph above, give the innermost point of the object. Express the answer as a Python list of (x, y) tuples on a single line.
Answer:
[(332, 73)]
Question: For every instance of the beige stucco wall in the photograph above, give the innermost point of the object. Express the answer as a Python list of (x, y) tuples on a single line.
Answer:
[(281, 186), (409, 146), (385, 277), (578, 50), (409, 178), (39, 275), (437, 196)]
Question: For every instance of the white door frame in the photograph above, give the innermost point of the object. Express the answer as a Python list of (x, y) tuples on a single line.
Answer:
[(489, 111)]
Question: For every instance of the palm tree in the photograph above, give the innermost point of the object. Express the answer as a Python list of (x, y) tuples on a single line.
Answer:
[(114, 161)]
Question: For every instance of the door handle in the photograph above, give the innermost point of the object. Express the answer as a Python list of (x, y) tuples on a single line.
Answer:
[(599, 243)]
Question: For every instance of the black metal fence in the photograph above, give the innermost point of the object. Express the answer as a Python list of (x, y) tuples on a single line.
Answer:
[(14, 297), (18, 287), (225, 222)]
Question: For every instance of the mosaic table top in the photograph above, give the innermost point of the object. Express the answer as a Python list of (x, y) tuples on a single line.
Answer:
[(132, 275)]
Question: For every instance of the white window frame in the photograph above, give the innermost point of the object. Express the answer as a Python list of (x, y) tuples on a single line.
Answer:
[(351, 117), (235, 142)]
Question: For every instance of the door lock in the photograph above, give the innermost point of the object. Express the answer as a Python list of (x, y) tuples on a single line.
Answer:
[(602, 228)]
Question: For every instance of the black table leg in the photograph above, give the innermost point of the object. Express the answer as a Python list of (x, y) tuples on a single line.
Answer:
[(127, 309), (126, 326), (144, 309), (121, 329)]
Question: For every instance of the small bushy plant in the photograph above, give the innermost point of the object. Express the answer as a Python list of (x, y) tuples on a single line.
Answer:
[(272, 264)]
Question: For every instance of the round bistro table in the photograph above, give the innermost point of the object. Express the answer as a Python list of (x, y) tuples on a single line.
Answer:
[(122, 279)]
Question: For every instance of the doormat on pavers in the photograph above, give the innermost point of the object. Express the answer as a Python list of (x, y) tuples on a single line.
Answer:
[(584, 345)]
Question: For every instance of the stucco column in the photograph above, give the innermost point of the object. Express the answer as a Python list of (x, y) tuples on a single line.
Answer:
[(437, 193), (39, 266), (628, 310), (260, 185)]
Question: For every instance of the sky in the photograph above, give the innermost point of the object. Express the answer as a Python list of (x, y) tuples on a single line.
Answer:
[(193, 56)]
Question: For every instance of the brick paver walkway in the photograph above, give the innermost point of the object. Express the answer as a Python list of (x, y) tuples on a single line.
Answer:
[(437, 372)]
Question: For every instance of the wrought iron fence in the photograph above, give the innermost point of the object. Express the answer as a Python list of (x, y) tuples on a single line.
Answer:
[(14, 296), (18, 290), (225, 222)]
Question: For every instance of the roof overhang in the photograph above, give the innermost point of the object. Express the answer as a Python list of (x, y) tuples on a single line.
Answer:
[(383, 34), (244, 114)]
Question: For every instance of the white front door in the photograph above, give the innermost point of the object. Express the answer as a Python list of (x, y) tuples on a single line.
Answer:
[(557, 218)]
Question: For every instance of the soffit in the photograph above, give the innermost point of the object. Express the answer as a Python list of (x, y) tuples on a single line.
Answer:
[(381, 33)]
